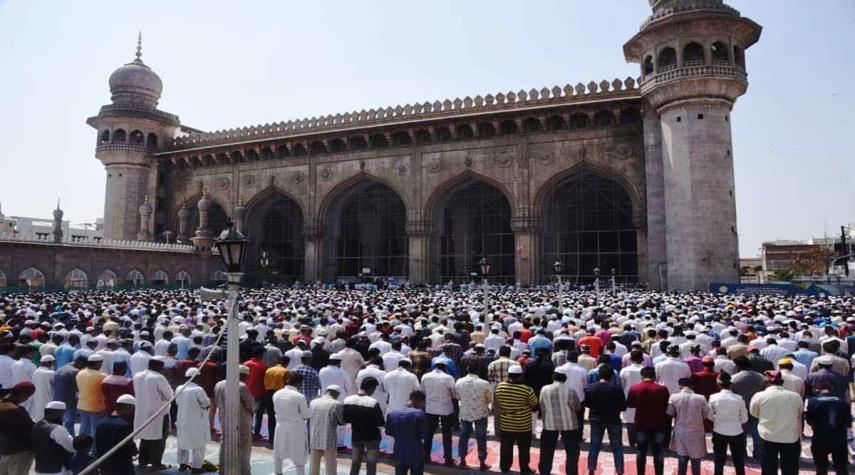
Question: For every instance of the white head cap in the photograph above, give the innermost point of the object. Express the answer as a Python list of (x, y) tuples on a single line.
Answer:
[(58, 405), (126, 399)]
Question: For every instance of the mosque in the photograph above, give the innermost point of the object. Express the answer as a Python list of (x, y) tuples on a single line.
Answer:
[(630, 177)]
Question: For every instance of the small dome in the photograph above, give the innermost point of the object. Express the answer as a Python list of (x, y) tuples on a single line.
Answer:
[(204, 203), (135, 84), (146, 208)]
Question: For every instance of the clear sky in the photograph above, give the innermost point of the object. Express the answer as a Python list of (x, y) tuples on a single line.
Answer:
[(227, 64)]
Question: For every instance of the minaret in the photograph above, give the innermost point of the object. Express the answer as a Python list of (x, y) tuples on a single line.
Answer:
[(692, 57), (57, 223), (130, 130), (145, 212)]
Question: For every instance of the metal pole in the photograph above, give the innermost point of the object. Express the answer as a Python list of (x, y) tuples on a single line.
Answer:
[(229, 413), (486, 304), (614, 290), (597, 289), (560, 298)]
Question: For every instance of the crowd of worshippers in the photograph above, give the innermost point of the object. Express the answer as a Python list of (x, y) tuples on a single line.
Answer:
[(82, 373)]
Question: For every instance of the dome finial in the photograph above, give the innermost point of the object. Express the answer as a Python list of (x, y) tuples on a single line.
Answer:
[(139, 47)]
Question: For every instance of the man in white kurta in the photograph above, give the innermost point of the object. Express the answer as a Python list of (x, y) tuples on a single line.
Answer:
[(43, 381), (291, 438), (22, 370), (399, 383), (193, 425), (373, 371), (152, 392), (351, 362)]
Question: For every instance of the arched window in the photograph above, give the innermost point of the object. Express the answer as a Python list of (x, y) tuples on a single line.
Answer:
[(32, 277), (151, 141), (422, 136), (555, 122), (76, 279), (531, 125), (693, 53), (107, 278), (401, 138), (464, 131), (738, 55), (486, 130), (2, 279), (217, 277), (647, 65), (667, 58), (378, 141), (507, 127), (604, 118), (317, 147), (719, 53), (119, 136), (630, 116), (357, 143), (579, 121), (134, 277), (182, 278), (442, 134), (160, 278), (336, 146), (299, 150), (105, 137), (136, 137), (282, 151)]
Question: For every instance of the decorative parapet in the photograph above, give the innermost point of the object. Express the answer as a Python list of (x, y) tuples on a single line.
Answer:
[(687, 72), (42, 238), (660, 12), (534, 98), (131, 110), (124, 147)]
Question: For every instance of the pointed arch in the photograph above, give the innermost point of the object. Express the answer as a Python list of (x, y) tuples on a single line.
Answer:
[(443, 188), (76, 279), (274, 226), (638, 201), (32, 277), (160, 278), (107, 278), (332, 195), (183, 278), (134, 277)]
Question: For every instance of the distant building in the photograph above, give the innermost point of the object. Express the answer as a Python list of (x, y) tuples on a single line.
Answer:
[(750, 270)]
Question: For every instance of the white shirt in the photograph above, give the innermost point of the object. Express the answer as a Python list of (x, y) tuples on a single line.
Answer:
[(723, 363), (380, 393), (577, 378), (391, 360), (329, 375), (773, 353), (494, 342), (139, 362), (669, 372), (399, 384), (6, 363), (439, 391), (630, 376), (728, 412)]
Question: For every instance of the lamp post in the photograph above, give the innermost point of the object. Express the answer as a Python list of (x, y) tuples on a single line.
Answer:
[(597, 284), (232, 246), (466, 275), (484, 264), (614, 289), (558, 267)]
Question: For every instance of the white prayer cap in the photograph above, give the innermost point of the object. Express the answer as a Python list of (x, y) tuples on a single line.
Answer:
[(191, 372), (515, 369), (243, 369), (334, 387), (126, 399), (47, 359), (96, 358), (57, 405)]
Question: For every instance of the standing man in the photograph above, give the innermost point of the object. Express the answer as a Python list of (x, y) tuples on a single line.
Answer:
[(629, 377), (399, 384), (275, 378), (290, 439), (650, 401), (351, 360), (244, 411), (728, 414), (65, 390), (746, 383), (558, 408), (408, 425), (193, 430), (152, 392), (52, 444), (474, 395), (326, 414), (16, 455), (112, 430), (310, 383), (365, 417), (439, 390), (778, 414), (606, 401), (689, 411), (255, 383), (90, 402), (829, 416), (517, 401), (43, 382)]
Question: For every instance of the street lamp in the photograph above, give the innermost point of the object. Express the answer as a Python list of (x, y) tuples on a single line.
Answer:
[(232, 246), (466, 275), (558, 267), (484, 265), (613, 282), (597, 284)]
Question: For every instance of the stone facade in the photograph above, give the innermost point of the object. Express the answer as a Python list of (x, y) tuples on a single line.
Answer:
[(664, 140)]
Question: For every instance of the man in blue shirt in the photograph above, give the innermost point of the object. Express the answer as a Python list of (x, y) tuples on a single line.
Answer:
[(65, 352), (450, 366), (112, 430), (409, 427), (829, 416), (804, 355), (65, 390)]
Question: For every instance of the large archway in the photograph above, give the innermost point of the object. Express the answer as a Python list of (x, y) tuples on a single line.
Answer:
[(473, 221), (588, 225), (365, 229), (274, 228)]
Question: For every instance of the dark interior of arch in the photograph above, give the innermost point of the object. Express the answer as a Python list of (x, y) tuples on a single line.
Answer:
[(274, 228), (474, 221), (588, 225), (368, 222)]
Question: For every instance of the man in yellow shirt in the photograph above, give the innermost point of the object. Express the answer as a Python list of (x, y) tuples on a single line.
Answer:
[(90, 399), (275, 378)]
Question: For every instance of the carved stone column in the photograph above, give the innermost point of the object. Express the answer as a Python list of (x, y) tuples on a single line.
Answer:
[(203, 240), (527, 231), (145, 212), (419, 235), (313, 238), (183, 231), (240, 217), (57, 223)]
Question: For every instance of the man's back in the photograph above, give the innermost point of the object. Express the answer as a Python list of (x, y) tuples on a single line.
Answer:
[(747, 383), (110, 432), (517, 401), (606, 402), (408, 425)]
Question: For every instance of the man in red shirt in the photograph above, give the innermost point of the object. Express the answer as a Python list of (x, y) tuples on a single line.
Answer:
[(650, 401), (706, 384), (594, 343), (255, 384)]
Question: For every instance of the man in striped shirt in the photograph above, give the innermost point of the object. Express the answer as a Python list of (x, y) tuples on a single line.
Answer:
[(558, 408), (517, 401)]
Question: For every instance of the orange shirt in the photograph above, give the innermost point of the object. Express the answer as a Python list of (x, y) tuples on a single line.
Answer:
[(90, 397)]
